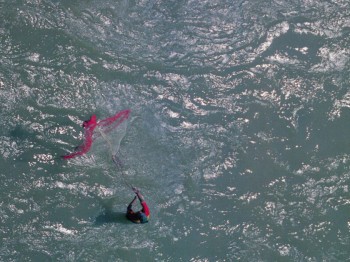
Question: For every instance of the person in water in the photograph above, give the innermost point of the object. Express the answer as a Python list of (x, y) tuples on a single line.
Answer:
[(141, 216)]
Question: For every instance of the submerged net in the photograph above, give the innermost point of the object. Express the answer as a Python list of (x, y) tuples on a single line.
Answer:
[(93, 130)]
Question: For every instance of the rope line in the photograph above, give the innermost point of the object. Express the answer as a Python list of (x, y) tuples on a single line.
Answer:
[(118, 164), (119, 167)]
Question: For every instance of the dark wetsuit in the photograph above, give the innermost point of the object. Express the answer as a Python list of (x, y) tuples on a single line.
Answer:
[(141, 216)]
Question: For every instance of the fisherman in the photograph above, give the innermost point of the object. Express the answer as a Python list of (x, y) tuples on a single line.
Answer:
[(141, 216)]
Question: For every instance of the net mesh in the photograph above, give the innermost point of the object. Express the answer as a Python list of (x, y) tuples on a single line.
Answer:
[(106, 128)]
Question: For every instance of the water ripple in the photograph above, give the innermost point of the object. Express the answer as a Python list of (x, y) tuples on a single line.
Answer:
[(239, 140)]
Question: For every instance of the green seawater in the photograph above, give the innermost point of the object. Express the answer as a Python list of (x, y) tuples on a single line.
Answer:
[(238, 134)]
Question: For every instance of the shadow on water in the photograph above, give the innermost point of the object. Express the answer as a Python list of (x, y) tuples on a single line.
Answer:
[(109, 216)]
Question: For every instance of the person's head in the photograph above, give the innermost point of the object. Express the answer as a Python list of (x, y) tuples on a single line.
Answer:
[(143, 218)]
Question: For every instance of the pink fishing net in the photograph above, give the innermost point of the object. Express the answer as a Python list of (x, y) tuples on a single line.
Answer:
[(106, 125)]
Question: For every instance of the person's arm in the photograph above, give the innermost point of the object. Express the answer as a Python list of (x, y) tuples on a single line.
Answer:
[(140, 197), (133, 201), (138, 194)]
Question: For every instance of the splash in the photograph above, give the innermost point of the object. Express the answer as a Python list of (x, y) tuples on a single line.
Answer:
[(94, 129)]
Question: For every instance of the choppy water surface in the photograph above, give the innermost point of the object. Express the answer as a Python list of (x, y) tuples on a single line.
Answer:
[(238, 136)]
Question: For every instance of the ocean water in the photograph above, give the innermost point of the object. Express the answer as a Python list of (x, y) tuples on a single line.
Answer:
[(238, 136)]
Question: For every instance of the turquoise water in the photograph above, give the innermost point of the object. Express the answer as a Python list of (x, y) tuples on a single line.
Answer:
[(238, 136)]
